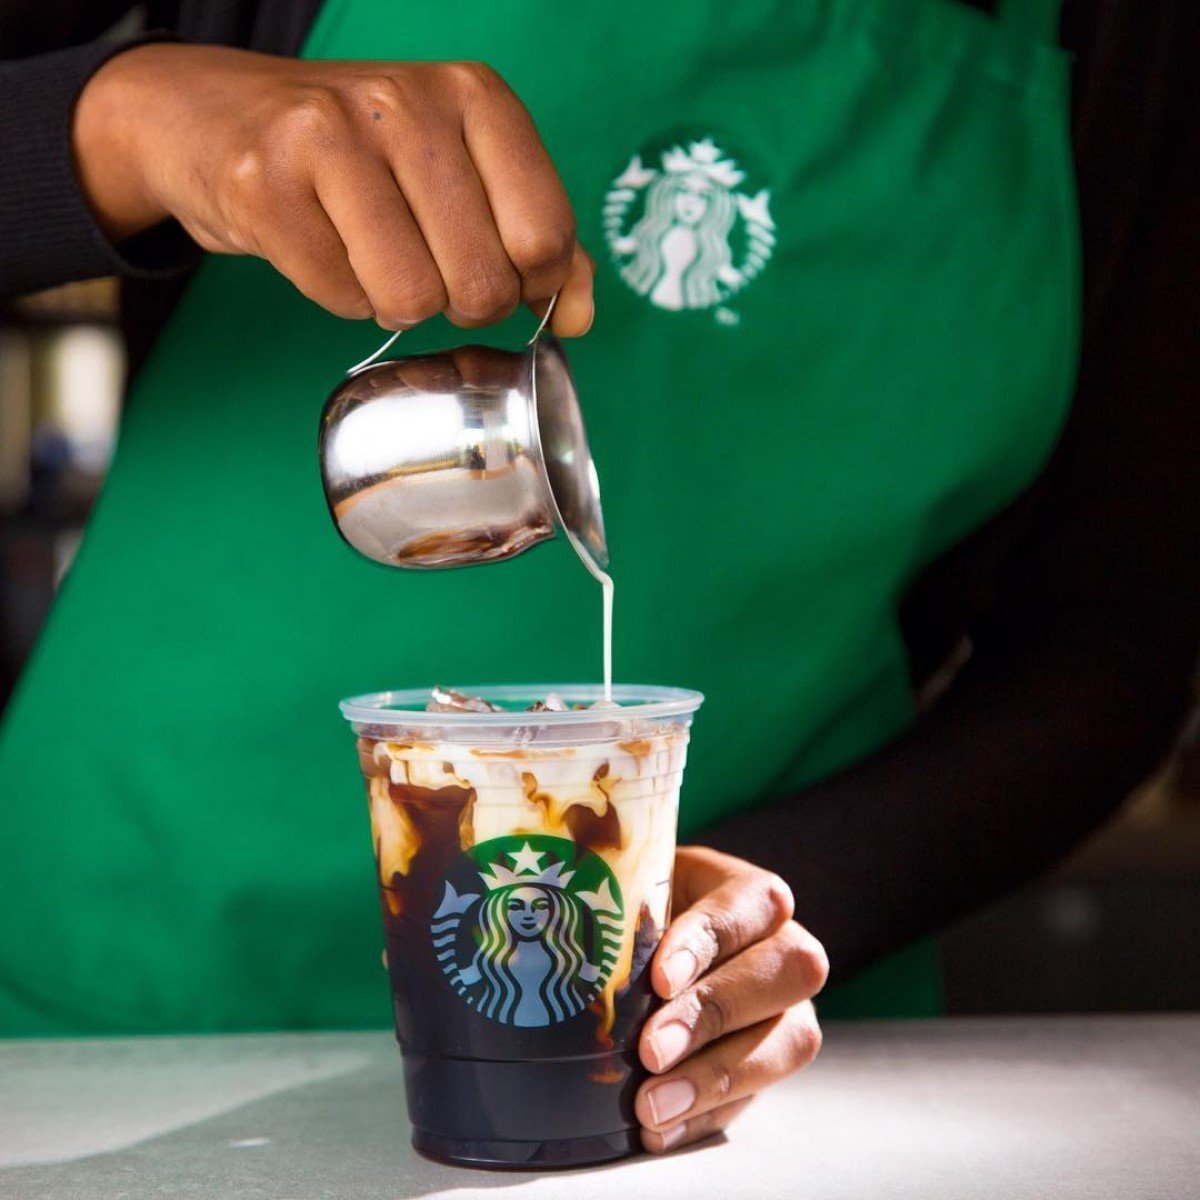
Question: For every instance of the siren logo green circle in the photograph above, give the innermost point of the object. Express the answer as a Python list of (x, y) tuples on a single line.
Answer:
[(683, 228), (529, 928)]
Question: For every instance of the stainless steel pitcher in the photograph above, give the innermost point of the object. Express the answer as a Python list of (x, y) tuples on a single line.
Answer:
[(465, 456)]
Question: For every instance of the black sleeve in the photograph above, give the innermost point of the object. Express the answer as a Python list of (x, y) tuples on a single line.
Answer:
[(48, 234), (1081, 668)]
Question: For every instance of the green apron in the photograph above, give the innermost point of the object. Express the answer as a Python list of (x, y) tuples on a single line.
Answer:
[(837, 320)]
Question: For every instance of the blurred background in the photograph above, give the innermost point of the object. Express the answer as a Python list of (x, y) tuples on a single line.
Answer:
[(62, 368), (1113, 928)]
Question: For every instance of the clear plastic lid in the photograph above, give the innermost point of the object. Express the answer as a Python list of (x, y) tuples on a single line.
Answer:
[(390, 714)]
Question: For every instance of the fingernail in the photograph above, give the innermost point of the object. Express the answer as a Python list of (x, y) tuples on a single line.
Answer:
[(591, 317), (680, 970), (671, 1100), (673, 1136), (668, 1043)]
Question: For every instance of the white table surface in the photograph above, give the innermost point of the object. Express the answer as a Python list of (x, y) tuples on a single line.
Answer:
[(967, 1109)]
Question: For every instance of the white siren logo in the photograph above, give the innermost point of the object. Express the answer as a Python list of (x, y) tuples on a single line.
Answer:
[(529, 928), (678, 252)]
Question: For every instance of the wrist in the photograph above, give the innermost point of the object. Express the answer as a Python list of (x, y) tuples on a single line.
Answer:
[(108, 136)]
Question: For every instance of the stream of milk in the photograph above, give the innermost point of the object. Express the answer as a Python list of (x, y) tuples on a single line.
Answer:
[(607, 590)]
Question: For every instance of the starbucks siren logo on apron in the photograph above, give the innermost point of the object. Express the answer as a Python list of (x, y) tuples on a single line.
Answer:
[(529, 928), (684, 233)]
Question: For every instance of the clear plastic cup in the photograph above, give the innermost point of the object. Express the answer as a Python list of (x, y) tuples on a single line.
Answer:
[(524, 863)]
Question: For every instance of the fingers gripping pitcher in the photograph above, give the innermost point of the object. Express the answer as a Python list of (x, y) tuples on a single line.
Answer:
[(524, 863)]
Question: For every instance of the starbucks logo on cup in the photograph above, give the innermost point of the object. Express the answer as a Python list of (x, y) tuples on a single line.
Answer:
[(529, 928)]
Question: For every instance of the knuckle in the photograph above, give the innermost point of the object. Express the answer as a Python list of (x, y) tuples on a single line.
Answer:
[(248, 175), (546, 247), (411, 297), (714, 1014), (718, 934), (708, 939), (261, 179), (816, 1039), (474, 77), (804, 959), (806, 1040), (351, 305), (486, 295), (313, 114), (378, 90), (778, 893), (818, 964), (720, 1081)]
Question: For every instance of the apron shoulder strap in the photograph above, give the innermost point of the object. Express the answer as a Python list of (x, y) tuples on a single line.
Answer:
[(1036, 20)]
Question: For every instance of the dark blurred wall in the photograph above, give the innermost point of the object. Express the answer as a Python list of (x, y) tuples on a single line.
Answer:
[(61, 375)]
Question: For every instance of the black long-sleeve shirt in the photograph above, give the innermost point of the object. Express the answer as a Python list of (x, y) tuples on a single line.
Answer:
[(1080, 604)]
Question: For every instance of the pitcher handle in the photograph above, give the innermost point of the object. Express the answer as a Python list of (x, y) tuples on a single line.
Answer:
[(366, 362)]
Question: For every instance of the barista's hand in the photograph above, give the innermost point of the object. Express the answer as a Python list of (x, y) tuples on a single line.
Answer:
[(738, 975), (385, 189)]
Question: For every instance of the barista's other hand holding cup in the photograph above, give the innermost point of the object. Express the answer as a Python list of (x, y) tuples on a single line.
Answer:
[(390, 190), (738, 975)]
